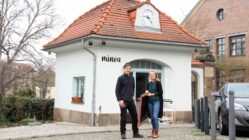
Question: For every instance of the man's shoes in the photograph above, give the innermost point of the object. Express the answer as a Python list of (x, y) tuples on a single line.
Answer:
[(137, 135), (123, 136)]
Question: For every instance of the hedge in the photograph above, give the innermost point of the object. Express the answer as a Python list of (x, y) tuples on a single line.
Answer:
[(17, 108)]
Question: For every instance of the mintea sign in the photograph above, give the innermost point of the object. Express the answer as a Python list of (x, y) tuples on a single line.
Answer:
[(111, 59)]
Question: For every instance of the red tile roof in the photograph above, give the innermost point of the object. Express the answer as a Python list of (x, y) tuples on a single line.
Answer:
[(112, 18), (197, 63)]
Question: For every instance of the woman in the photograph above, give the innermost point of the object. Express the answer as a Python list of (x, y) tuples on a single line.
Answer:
[(154, 93)]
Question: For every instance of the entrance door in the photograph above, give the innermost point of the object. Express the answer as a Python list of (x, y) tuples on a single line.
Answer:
[(141, 85), (194, 95)]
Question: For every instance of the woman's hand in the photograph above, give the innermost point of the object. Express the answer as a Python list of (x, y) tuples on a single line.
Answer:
[(150, 94)]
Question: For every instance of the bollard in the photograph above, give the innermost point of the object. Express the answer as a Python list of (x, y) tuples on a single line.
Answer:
[(206, 118), (213, 118), (196, 114), (232, 130), (202, 115)]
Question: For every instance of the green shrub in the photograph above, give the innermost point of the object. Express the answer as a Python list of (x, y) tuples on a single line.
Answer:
[(27, 92), (17, 108), (26, 121)]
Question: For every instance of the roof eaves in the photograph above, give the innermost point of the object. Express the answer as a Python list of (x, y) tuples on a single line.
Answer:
[(124, 39), (192, 45)]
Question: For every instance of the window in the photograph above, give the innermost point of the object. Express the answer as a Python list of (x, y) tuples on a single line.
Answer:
[(220, 48), (220, 14), (78, 91), (209, 44), (143, 64), (237, 45)]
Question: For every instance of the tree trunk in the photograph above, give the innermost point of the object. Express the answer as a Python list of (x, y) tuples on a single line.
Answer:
[(1, 101)]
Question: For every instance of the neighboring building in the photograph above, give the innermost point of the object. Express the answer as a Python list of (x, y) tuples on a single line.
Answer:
[(19, 74), (90, 54), (224, 25), (24, 76), (49, 95)]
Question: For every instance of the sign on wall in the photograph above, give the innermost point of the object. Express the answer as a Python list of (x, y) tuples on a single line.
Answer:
[(209, 72), (111, 59)]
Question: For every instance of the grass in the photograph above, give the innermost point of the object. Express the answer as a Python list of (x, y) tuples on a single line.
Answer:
[(197, 132)]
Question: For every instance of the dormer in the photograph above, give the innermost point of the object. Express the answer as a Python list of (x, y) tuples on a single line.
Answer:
[(145, 18)]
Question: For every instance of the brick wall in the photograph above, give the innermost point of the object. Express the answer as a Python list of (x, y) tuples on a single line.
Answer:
[(205, 24)]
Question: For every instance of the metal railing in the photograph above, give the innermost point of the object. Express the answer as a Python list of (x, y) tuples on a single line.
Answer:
[(203, 115)]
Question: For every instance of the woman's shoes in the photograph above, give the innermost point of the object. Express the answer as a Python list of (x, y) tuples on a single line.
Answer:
[(152, 133), (155, 134)]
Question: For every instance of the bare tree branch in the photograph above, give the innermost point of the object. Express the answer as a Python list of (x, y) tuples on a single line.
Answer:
[(23, 23)]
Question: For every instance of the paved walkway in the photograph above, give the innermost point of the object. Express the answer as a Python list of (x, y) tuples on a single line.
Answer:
[(70, 131)]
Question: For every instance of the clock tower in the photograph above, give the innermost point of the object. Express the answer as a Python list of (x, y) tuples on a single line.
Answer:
[(147, 19)]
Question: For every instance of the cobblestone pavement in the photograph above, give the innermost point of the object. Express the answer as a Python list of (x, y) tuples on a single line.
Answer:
[(69, 131), (165, 134)]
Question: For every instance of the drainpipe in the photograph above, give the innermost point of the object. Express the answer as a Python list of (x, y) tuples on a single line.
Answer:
[(93, 117)]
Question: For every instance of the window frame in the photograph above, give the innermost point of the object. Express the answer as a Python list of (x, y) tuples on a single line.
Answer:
[(242, 44), (76, 96), (221, 54), (220, 14), (210, 46)]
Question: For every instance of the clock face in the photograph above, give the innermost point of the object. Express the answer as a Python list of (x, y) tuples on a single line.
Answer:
[(148, 18)]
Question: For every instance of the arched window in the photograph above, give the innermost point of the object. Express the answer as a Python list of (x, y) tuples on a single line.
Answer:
[(220, 14), (143, 64)]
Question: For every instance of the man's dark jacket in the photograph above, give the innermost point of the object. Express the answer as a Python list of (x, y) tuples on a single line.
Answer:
[(125, 87)]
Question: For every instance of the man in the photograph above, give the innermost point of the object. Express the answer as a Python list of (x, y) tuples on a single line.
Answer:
[(124, 93)]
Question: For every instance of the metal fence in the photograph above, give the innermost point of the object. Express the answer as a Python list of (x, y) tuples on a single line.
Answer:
[(206, 117)]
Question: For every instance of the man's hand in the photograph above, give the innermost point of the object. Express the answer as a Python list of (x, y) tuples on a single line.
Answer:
[(122, 104)]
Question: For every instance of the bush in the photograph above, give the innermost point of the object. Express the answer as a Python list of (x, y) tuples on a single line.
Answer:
[(28, 92), (17, 108), (26, 121)]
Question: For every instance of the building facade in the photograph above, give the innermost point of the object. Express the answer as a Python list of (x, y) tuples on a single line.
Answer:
[(224, 25), (90, 54)]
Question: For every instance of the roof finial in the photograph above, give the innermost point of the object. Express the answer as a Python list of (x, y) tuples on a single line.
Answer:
[(148, 1)]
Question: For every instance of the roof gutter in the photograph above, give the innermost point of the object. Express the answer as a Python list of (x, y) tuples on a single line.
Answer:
[(93, 116), (148, 41), (179, 44)]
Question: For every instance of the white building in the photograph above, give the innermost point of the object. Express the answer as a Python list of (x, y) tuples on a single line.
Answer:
[(90, 54)]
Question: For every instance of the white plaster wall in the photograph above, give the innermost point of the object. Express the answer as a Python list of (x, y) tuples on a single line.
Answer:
[(68, 65), (200, 81), (176, 76)]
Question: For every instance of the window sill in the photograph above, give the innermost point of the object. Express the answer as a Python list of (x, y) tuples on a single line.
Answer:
[(237, 56), (77, 100), (79, 103)]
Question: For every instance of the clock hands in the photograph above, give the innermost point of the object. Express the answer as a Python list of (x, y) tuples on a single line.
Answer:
[(148, 18)]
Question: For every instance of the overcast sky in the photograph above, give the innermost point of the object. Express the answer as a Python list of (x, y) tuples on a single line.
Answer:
[(69, 10)]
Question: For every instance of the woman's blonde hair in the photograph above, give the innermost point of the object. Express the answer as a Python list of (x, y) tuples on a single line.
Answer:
[(157, 76)]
